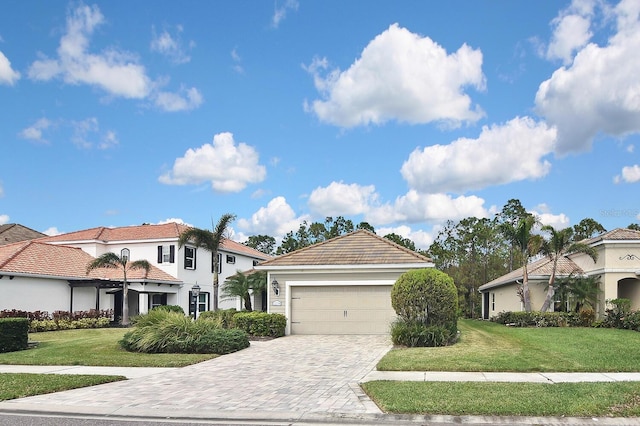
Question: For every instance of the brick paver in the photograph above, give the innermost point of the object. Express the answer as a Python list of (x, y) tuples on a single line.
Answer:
[(294, 374)]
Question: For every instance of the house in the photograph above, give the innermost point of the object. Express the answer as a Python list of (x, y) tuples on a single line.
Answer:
[(617, 268), (14, 232), (158, 244), (339, 286), (36, 276)]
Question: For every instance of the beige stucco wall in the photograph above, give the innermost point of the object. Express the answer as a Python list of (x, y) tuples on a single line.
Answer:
[(507, 298)]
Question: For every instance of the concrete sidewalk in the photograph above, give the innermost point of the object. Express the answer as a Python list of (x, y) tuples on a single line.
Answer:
[(128, 372)]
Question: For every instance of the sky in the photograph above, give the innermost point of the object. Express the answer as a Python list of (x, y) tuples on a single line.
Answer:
[(403, 114)]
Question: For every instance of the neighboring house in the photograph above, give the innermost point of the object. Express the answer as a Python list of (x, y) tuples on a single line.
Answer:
[(158, 244), (617, 267), (14, 232), (340, 286), (36, 276)]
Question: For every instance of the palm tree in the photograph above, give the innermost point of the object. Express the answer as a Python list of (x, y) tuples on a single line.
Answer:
[(209, 241), (559, 243), (529, 244), (242, 285), (113, 261)]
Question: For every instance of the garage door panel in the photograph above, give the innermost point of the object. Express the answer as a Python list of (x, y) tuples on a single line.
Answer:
[(341, 309)]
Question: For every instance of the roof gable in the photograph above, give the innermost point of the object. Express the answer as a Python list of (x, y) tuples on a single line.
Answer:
[(542, 267), (14, 232), (361, 247), (618, 234)]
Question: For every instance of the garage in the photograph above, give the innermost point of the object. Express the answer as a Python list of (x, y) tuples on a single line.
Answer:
[(358, 309), (339, 286)]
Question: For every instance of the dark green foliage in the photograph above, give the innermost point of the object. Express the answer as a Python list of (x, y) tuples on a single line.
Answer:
[(61, 320), (584, 318), (426, 302), (620, 315), (14, 334), (162, 331), (223, 318), (261, 323), (171, 308)]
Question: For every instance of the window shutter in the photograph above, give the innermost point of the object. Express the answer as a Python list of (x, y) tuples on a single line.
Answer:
[(192, 305), (195, 251), (159, 254), (172, 253)]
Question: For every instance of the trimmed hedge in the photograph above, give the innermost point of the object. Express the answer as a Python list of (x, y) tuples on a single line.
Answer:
[(61, 320), (14, 334), (584, 318), (261, 324)]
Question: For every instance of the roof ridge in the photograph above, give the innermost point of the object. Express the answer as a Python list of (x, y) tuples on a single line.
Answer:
[(17, 252), (393, 243)]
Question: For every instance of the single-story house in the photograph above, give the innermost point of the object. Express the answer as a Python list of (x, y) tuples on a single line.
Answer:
[(617, 268), (339, 286)]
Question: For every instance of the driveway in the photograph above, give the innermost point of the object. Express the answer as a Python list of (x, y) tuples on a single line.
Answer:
[(289, 376)]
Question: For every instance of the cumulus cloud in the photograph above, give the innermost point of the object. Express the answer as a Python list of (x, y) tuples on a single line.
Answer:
[(543, 213), (571, 30), (230, 167), (34, 132), (281, 11), (501, 154), (340, 199), (184, 100), (87, 134), (422, 239), (170, 45), (400, 76), (630, 174), (8, 75), (52, 231), (4, 219), (600, 90), (276, 219)]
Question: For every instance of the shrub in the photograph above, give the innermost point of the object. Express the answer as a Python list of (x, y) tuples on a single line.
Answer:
[(415, 334), (14, 334), (261, 323), (220, 341), (614, 317), (223, 317), (171, 308), (536, 319)]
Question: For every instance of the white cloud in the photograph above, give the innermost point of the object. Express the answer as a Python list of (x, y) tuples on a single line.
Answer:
[(400, 76), (170, 46), (115, 72), (1, 190), (34, 132), (8, 75), (467, 164), (184, 100), (630, 174), (543, 213), (600, 91), (275, 219), (4, 219), (340, 199), (415, 207), (229, 167), (420, 238), (173, 220), (52, 231), (281, 11), (571, 30), (237, 61), (109, 140)]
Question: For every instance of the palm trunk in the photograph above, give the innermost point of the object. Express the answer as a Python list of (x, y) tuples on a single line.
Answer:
[(215, 289), (551, 291), (125, 301), (525, 288)]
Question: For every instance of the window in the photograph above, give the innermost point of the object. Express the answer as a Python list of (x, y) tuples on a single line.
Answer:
[(157, 300), (166, 253), (231, 259), (189, 257), (493, 301), (203, 302), (219, 263), (255, 262)]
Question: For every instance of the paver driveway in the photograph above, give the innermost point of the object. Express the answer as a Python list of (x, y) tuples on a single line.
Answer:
[(294, 374)]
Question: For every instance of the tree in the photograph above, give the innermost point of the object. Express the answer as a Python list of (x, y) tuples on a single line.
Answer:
[(585, 291), (509, 217), (242, 285), (634, 226), (366, 226), (587, 228), (262, 243), (210, 241), (528, 244), (313, 233), (113, 261), (401, 241), (558, 244)]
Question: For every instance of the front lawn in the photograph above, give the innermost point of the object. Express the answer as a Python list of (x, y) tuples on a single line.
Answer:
[(487, 346), (96, 347), (19, 385)]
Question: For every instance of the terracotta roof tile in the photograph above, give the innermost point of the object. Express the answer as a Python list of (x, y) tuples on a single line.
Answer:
[(617, 234), (541, 267), (356, 248)]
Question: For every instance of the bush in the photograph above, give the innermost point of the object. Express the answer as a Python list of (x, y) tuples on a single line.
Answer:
[(426, 300), (163, 331), (415, 334), (534, 319), (171, 308), (14, 334), (223, 318), (614, 317), (261, 323)]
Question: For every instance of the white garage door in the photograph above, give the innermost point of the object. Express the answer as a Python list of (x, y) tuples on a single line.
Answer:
[(360, 309)]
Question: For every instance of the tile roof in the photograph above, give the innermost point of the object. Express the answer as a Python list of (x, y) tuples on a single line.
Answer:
[(42, 259), (170, 230), (361, 247), (14, 232), (617, 234), (542, 268)]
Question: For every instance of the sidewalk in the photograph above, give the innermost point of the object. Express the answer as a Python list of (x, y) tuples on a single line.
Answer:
[(128, 372)]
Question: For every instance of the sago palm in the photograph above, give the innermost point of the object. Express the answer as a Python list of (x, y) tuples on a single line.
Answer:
[(113, 261)]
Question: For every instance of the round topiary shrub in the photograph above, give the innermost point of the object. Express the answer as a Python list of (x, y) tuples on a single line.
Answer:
[(426, 302)]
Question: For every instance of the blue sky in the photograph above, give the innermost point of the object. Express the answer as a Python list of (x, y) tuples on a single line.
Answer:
[(403, 114)]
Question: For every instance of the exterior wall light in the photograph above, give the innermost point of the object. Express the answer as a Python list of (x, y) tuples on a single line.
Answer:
[(195, 294), (276, 287)]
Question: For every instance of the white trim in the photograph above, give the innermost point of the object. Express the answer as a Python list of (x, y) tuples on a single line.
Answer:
[(390, 266)]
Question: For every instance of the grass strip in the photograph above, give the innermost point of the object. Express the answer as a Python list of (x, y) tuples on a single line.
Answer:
[(487, 346), (20, 385), (94, 347), (619, 399)]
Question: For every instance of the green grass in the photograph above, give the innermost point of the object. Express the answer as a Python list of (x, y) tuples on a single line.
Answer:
[(486, 346), (507, 399), (97, 347), (19, 385)]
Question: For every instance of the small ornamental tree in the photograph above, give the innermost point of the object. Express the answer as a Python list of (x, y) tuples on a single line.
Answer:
[(426, 302)]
